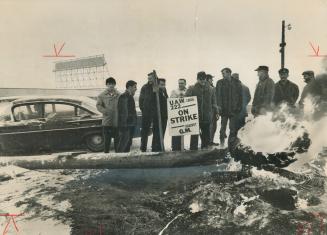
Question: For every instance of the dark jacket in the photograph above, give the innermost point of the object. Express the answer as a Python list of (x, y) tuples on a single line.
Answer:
[(214, 107), (285, 92), (126, 110), (147, 101), (206, 101), (163, 96), (107, 105), (246, 98), (229, 96), (312, 88), (263, 96)]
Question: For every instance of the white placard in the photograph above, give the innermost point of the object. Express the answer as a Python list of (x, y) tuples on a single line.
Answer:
[(183, 117)]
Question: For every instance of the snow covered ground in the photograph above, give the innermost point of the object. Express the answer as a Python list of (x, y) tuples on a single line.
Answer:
[(32, 193), (25, 189)]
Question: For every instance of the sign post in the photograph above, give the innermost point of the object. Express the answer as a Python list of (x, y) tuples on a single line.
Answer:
[(156, 90)]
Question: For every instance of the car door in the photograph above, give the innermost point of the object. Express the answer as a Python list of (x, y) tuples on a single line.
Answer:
[(26, 133), (66, 126)]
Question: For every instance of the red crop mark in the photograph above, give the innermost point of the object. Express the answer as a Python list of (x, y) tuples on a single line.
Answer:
[(94, 232), (57, 52), (316, 51), (306, 227), (320, 216), (12, 218)]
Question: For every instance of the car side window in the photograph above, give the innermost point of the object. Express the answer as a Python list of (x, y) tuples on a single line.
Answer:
[(28, 112), (59, 111), (82, 112)]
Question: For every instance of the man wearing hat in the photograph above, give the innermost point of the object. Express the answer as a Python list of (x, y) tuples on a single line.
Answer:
[(229, 101), (206, 103), (215, 116), (264, 92), (311, 88), (285, 90)]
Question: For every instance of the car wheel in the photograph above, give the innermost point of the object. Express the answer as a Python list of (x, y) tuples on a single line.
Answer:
[(95, 142)]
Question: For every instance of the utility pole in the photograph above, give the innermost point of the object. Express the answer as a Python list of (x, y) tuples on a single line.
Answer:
[(282, 46)]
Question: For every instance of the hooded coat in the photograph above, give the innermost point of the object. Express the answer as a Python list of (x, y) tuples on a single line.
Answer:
[(107, 104)]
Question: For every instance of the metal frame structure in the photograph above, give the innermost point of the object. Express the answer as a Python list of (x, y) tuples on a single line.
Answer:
[(86, 72)]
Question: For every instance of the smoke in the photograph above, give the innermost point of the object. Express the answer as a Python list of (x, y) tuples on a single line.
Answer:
[(318, 134), (273, 132), (324, 64), (277, 131)]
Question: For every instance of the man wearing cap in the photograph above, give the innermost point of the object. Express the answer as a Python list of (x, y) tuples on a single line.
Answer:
[(246, 98), (229, 101), (264, 92), (311, 88), (285, 90), (206, 103), (176, 141), (215, 116)]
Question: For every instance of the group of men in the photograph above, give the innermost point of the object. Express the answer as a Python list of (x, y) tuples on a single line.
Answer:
[(228, 100)]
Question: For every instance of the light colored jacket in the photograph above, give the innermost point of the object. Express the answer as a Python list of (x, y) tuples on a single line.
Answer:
[(177, 93), (107, 104)]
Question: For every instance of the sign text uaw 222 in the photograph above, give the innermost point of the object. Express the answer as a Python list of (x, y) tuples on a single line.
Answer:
[(183, 117)]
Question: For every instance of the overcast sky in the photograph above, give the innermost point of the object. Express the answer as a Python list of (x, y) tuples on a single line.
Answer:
[(178, 38)]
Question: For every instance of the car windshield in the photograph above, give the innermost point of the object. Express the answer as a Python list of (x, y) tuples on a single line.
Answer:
[(90, 104)]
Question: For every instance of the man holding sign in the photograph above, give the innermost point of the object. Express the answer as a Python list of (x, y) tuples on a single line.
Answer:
[(176, 141), (206, 102)]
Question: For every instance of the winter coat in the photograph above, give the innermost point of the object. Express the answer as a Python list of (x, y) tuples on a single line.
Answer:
[(127, 116), (312, 88), (147, 101), (107, 104), (263, 96), (163, 96), (206, 101), (285, 91), (246, 98), (177, 93), (229, 97)]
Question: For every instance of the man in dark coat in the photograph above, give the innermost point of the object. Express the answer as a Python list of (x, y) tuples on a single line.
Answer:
[(229, 101), (213, 124), (246, 98), (312, 87), (264, 92), (285, 90), (163, 96), (147, 104), (206, 103), (127, 117)]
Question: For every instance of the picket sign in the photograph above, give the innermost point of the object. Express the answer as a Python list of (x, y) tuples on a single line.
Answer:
[(183, 117)]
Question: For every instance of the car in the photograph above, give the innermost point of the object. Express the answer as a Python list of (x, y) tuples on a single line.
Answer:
[(51, 123)]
